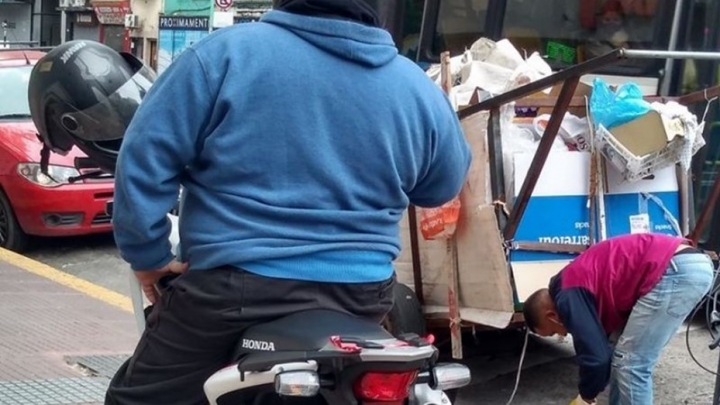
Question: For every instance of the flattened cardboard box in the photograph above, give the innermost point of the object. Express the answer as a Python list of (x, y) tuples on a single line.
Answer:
[(486, 295)]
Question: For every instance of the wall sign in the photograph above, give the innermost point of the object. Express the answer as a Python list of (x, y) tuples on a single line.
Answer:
[(177, 33), (111, 13), (184, 23), (85, 19), (223, 4)]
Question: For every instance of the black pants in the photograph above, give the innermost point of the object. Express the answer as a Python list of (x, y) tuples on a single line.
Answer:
[(192, 331)]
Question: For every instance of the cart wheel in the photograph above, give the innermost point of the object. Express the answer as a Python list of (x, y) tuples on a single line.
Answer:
[(406, 315)]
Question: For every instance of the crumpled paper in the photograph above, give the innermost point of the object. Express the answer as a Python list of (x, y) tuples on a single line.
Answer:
[(493, 67), (693, 139)]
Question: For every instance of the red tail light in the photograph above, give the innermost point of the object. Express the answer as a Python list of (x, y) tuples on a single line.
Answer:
[(385, 388)]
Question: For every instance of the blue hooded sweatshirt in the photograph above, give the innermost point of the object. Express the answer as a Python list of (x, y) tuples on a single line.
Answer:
[(299, 142)]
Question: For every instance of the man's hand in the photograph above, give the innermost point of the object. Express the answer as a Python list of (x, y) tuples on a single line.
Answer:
[(580, 401), (149, 279)]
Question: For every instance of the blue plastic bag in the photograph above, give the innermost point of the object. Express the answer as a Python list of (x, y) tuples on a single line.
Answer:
[(612, 109)]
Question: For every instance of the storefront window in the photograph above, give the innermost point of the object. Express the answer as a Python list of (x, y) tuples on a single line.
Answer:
[(412, 23), (573, 31), (114, 37), (460, 24)]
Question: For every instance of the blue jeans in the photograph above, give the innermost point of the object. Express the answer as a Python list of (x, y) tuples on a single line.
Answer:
[(654, 320)]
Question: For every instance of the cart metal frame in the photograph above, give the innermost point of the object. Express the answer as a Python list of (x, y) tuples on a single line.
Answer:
[(508, 224)]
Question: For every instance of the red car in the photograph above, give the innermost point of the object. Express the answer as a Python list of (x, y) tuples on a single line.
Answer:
[(32, 203)]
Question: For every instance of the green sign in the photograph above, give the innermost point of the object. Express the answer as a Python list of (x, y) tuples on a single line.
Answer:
[(561, 52)]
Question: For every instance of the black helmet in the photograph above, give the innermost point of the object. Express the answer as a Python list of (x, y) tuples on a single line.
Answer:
[(84, 93)]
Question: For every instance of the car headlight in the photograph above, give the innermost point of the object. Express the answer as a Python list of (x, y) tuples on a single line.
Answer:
[(59, 175)]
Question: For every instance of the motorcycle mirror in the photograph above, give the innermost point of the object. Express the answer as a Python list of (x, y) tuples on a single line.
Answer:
[(450, 376), (297, 384)]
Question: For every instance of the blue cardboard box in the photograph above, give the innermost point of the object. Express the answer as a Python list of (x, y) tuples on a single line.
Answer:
[(557, 211), (648, 205)]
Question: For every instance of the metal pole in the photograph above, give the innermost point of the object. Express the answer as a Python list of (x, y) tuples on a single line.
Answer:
[(497, 170), (415, 254), (716, 394), (9, 43), (684, 195), (674, 32), (600, 198), (653, 54), (713, 346), (543, 150), (706, 212), (545, 83), (32, 21), (451, 245), (63, 26)]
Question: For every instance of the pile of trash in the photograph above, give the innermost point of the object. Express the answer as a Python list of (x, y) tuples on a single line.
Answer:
[(490, 68), (637, 137)]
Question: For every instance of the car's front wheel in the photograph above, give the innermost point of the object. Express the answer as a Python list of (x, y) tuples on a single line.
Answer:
[(12, 236)]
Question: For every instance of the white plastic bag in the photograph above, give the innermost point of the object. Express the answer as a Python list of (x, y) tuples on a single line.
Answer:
[(494, 67), (573, 130)]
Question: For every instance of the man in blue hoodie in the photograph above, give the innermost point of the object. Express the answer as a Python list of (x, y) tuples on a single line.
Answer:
[(299, 142)]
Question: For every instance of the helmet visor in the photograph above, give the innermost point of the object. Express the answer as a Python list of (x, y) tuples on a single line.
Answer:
[(108, 120)]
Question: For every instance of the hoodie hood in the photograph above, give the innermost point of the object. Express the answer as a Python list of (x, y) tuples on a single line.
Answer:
[(346, 39), (354, 10)]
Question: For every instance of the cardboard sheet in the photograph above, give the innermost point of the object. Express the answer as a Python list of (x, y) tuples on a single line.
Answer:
[(486, 295)]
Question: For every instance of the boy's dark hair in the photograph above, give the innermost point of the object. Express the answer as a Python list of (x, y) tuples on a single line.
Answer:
[(532, 309)]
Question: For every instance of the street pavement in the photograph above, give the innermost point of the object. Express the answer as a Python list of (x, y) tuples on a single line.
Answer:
[(56, 342), (57, 345)]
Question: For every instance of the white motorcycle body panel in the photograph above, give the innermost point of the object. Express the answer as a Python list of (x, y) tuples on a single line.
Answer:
[(229, 380)]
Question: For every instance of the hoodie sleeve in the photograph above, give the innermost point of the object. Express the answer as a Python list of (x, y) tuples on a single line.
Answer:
[(449, 160), (160, 142), (576, 308)]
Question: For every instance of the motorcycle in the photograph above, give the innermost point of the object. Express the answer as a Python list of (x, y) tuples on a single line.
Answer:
[(328, 357), (323, 357)]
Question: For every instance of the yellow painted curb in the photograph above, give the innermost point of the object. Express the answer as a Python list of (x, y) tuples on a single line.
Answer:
[(90, 289)]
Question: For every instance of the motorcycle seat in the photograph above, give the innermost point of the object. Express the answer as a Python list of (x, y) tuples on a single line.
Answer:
[(308, 331)]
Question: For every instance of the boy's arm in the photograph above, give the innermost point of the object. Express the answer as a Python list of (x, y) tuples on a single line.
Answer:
[(577, 310)]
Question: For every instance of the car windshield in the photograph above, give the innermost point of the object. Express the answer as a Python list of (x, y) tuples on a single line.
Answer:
[(14, 92)]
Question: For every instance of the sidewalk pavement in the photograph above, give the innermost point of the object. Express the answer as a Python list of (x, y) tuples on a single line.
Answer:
[(58, 345)]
